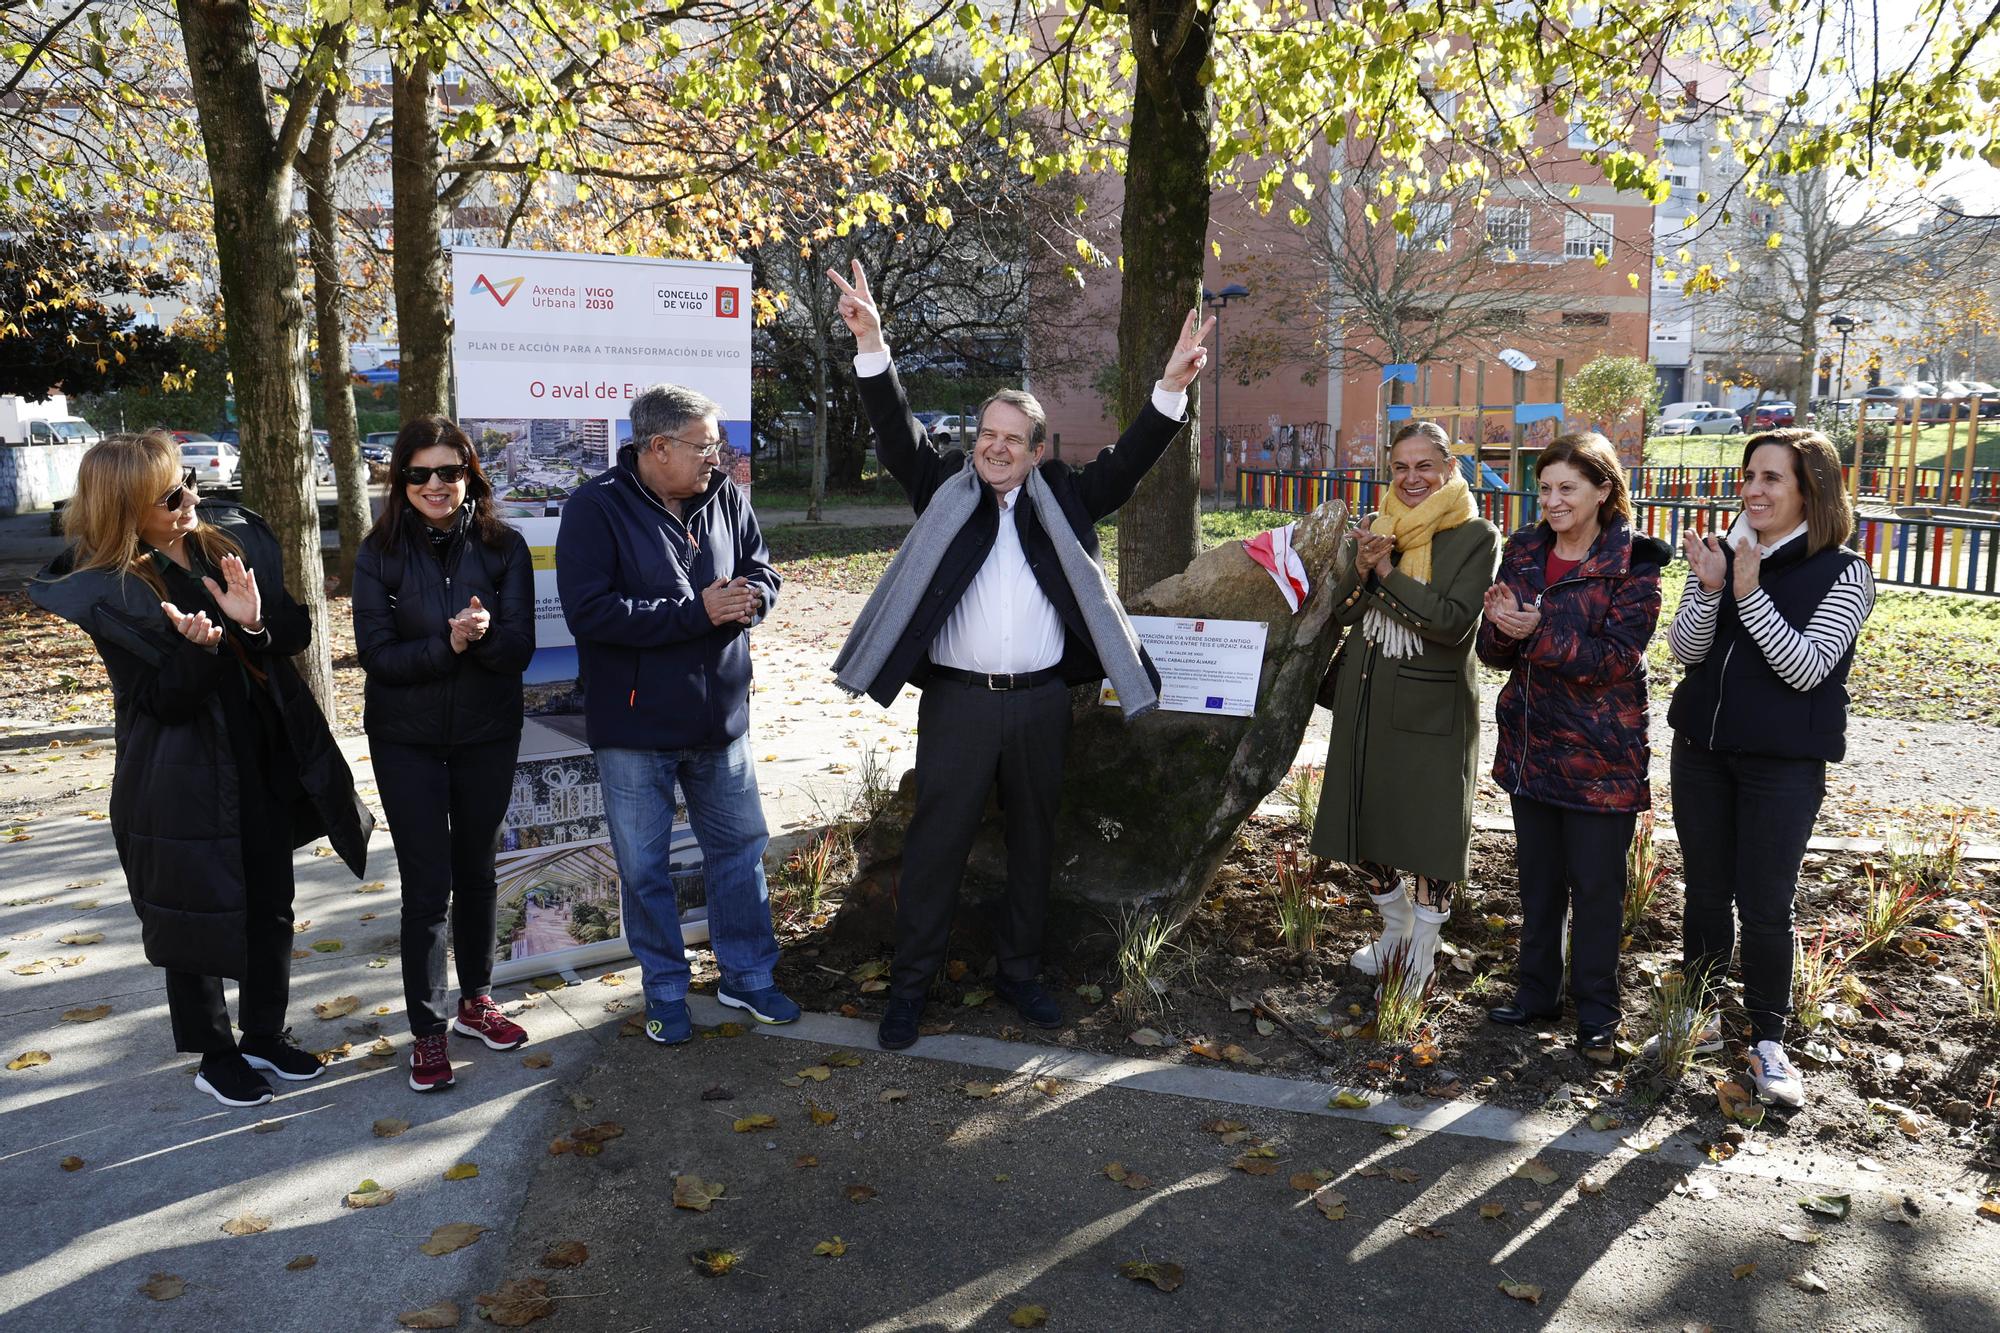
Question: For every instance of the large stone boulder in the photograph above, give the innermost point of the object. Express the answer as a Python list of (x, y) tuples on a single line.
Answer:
[(1151, 807)]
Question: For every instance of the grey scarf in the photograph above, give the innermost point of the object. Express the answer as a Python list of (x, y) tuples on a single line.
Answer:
[(894, 602)]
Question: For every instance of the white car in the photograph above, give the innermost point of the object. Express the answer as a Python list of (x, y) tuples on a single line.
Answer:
[(953, 432), (1704, 421), (215, 463)]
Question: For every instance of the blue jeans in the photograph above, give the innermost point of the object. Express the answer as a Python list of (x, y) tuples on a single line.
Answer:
[(720, 788)]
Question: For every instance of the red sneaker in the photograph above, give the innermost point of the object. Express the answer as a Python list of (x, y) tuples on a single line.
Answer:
[(430, 1064), (480, 1017)]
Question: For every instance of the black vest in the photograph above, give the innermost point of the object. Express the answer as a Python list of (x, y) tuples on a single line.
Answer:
[(1735, 702)]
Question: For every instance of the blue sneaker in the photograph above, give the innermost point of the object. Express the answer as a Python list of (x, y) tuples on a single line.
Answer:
[(769, 1005), (668, 1023)]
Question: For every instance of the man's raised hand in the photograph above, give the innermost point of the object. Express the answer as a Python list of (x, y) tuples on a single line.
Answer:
[(858, 312), (1190, 353)]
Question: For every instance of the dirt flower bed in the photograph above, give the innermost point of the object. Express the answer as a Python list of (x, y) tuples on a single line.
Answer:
[(1897, 1060)]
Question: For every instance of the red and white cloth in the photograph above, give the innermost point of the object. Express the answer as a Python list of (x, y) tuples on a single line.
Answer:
[(1273, 550)]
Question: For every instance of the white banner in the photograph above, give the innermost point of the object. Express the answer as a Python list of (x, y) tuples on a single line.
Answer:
[(548, 352)]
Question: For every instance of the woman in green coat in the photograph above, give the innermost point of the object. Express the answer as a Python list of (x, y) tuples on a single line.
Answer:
[(1397, 801)]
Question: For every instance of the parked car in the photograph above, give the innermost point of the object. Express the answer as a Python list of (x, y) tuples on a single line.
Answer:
[(377, 445), (1959, 390), (1671, 410), (190, 436), (1704, 421), (1771, 415), (216, 465), (952, 431)]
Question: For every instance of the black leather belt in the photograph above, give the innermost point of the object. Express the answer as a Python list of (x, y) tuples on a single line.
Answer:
[(998, 680)]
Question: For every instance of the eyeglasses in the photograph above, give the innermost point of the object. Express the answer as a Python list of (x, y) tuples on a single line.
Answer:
[(173, 498), (450, 474), (708, 449)]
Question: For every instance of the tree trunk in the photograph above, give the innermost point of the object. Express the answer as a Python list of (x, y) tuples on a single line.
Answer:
[(423, 305), (1162, 232), (816, 492), (264, 314), (336, 380)]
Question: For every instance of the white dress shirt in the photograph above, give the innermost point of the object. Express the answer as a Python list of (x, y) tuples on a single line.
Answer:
[(1004, 624)]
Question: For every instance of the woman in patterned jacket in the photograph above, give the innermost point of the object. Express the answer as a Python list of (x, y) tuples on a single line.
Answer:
[(1576, 603)]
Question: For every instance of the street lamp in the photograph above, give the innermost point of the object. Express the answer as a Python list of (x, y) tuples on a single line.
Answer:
[(1842, 325), (1218, 302)]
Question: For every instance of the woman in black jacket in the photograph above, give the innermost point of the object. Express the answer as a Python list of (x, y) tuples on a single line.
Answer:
[(225, 764), (444, 620), (1766, 629)]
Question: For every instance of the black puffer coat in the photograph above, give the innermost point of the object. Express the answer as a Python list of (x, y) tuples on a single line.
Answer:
[(419, 691), (175, 811)]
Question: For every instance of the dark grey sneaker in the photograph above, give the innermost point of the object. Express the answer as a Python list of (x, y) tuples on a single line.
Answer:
[(898, 1030), (230, 1080), (280, 1055), (1031, 1001)]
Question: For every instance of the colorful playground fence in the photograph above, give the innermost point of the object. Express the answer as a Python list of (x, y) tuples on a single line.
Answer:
[(1719, 483), (1947, 555)]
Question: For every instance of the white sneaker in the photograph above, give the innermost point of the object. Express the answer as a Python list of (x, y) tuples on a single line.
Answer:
[(1708, 1043), (1777, 1079)]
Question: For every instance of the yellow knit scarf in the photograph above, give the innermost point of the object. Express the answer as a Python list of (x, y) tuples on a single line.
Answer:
[(1442, 510)]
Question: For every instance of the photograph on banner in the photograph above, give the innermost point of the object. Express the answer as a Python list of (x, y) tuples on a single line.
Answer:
[(735, 458), (1205, 666), (534, 463)]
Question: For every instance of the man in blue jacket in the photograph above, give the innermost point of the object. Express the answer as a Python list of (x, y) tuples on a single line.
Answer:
[(662, 571)]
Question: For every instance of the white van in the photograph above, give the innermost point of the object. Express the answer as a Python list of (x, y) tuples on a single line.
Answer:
[(46, 422), (1671, 410)]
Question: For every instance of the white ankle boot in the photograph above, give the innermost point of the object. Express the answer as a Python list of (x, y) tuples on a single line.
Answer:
[(1398, 919), (1424, 943)]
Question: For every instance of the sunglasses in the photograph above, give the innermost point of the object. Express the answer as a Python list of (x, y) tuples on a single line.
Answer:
[(172, 499), (450, 474)]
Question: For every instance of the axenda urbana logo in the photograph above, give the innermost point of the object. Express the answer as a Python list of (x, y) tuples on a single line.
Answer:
[(502, 291), (725, 303)]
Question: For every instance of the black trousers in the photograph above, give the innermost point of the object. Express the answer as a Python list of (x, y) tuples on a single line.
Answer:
[(1743, 821), (1570, 861), (195, 1003), (445, 804), (968, 738)]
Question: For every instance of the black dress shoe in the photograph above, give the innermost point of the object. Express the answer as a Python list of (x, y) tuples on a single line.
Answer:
[(1514, 1015), (1597, 1043), (1031, 1001), (898, 1030)]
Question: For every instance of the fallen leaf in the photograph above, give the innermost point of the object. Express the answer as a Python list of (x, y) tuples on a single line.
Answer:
[(972, 999), (1224, 1126), (860, 1193), (980, 1091), (327, 946), (1395, 1131), (1332, 1205), (1093, 995), (461, 1171), (1827, 1205), (81, 937), (1029, 1316), (29, 1060), (1148, 1037), (1742, 1271), (519, 1301), (892, 1095), (1801, 1235), (818, 1114), (1990, 1210), (1348, 1101), (90, 1015), (830, 1249), (71, 1163), (817, 1073), (1308, 1181), (301, 1263), (539, 1060), (1254, 1164), (246, 1224), (1537, 1170), (1808, 1281), (804, 1160), (1523, 1291), (843, 1060), (1402, 1175), (389, 1127), (695, 1194), (1492, 1212), (452, 1236), (338, 1007), (603, 1132), (442, 1314), (1738, 1103), (1604, 1122), (1167, 1277), (372, 886), (750, 1123), (1236, 1055), (163, 1287), (1131, 1180), (369, 1195), (565, 1254), (713, 1263), (1589, 1186)]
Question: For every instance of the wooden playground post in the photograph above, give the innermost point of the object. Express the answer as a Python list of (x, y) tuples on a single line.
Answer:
[(1517, 436), (1860, 437), (1971, 450), (1950, 444)]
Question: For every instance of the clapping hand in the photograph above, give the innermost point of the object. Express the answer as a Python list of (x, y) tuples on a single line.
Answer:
[(1190, 353), (1705, 558), (858, 310), (1372, 549), (195, 628), (237, 597), (733, 602), (1748, 560), (1509, 614), (469, 626)]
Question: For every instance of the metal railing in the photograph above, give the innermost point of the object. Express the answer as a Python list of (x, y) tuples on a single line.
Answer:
[(1946, 555)]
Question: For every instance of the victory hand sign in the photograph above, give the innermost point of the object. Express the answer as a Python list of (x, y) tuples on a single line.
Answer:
[(858, 311), (1190, 353)]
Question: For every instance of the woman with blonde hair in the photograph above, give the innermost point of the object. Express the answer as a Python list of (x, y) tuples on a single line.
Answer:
[(225, 764), (1397, 799), (1766, 629)]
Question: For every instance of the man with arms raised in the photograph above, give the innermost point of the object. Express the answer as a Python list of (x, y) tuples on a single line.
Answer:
[(994, 606)]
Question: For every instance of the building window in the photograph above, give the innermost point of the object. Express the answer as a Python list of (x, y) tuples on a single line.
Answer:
[(1586, 319), (1585, 236), (1433, 226), (1507, 231)]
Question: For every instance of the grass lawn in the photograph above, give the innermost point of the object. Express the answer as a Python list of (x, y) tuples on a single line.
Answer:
[(1727, 450)]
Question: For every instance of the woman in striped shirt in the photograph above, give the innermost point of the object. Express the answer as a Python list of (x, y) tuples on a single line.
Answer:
[(1766, 629)]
